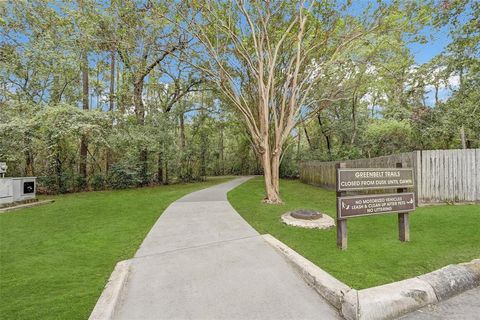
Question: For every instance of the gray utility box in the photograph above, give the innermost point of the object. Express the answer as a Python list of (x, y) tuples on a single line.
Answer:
[(17, 189), (6, 190)]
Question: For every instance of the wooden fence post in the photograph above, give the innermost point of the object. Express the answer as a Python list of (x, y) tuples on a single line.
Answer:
[(341, 223), (403, 223)]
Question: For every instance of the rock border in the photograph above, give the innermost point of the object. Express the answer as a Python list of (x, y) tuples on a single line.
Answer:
[(386, 301), (25, 205), (325, 222), (105, 307)]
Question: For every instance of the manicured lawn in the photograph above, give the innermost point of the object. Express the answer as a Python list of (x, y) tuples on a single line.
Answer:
[(55, 259), (440, 235)]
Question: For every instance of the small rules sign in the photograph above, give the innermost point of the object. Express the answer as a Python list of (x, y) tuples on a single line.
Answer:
[(365, 205)]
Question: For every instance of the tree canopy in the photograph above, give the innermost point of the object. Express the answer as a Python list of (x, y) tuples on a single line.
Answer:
[(112, 94)]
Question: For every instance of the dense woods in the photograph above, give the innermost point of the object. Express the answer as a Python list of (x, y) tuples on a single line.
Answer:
[(121, 93)]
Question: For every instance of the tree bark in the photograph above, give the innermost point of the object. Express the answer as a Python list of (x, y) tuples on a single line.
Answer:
[(85, 105), (29, 171), (111, 106), (327, 137), (299, 139), (462, 137), (160, 168), (203, 141), (140, 114), (166, 172), (307, 136), (182, 131), (271, 169), (112, 81), (354, 119), (59, 170), (221, 152)]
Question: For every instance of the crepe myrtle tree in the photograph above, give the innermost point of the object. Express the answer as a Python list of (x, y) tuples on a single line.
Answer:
[(267, 58)]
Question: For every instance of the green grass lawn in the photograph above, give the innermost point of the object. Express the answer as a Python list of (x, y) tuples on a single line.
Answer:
[(55, 259), (440, 235)]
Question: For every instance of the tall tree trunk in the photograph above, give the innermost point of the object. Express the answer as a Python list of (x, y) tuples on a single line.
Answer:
[(270, 159), (59, 170), (29, 171), (166, 172), (111, 106), (203, 142), (299, 139), (271, 168), (462, 137), (160, 167), (112, 81), (276, 172), (182, 130), (307, 136), (327, 137), (221, 153), (354, 119), (85, 95), (140, 114)]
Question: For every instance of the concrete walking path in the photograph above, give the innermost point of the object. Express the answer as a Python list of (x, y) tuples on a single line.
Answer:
[(201, 260)]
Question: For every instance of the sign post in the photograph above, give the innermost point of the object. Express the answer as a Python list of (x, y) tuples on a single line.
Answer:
[(403, 224), (341, 222), (357, 179)]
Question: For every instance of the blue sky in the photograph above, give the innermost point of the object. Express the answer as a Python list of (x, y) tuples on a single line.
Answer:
[(438, 40)]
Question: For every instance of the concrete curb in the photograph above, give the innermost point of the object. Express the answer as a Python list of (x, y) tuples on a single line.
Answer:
[(392, 300), (105, 307), (386, 301), (453, 279), (24, 206), (329, 287)]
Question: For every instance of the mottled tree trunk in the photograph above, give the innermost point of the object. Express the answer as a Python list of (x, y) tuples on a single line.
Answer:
[(271, 169)]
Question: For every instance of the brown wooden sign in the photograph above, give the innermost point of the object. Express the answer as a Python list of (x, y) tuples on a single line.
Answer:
[(365, 205), (350, 179), (353, 179)]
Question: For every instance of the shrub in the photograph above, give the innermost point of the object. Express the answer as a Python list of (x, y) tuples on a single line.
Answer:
[(121, 177), (97, 182)]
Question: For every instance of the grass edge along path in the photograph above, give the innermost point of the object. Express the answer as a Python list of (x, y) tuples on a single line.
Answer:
[(440, 235), (55, 259)]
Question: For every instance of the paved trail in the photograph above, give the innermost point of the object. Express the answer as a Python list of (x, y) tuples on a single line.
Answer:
[(201, 260)]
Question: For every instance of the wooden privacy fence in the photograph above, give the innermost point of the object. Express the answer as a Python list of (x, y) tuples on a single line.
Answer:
[(440, 175)]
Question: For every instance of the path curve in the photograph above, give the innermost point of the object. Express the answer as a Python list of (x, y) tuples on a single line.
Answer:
[(201, 260)]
